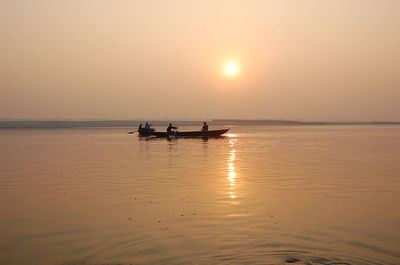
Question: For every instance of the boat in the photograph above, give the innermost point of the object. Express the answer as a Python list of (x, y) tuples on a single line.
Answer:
[(190, 134), (145, 131)]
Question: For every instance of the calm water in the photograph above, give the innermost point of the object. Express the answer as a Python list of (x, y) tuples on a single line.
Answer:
[(263, 195)]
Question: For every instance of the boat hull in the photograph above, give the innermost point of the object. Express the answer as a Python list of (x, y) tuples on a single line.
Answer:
[(145, 132), (191, 134)]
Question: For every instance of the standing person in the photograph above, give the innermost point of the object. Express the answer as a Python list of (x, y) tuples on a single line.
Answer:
[(205, 127), (170, 128), (140, 127)]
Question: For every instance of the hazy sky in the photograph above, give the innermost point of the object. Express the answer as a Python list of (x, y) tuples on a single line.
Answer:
[(307, 60)]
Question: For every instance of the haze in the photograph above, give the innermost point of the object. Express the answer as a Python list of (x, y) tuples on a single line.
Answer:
[(304, 60)]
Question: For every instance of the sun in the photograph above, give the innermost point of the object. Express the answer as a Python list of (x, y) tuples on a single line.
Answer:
[(231, 68)]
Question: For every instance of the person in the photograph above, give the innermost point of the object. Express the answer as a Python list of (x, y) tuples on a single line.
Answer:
[(147, 125), (170, 128), (140, 127), (205, 127)]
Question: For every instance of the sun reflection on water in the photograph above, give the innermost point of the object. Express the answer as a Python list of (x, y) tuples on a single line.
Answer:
[(232, 170)]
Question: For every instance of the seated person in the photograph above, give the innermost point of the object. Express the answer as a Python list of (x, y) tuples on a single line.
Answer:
[(170, 128), (205, 127)]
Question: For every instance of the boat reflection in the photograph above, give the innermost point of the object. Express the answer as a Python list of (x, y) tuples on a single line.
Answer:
[(232, 193)]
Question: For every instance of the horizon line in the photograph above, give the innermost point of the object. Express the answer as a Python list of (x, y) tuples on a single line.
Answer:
[(195, 120)]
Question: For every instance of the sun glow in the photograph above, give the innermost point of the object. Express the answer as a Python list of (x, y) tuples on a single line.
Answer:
[(231, 68)]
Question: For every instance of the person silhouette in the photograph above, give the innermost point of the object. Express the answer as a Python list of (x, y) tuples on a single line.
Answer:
[(205, 127), (170, 128)]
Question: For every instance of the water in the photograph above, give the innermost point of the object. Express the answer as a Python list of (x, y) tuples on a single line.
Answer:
[(262, 195)]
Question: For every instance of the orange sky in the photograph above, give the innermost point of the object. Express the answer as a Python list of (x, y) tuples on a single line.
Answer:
[(307, 60)]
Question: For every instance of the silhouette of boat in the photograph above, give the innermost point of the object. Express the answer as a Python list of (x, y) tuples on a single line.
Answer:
[(190, 134), (145, 131)]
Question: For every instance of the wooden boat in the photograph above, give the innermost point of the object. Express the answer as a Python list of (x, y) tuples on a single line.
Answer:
[(145, 131), (191, 134)]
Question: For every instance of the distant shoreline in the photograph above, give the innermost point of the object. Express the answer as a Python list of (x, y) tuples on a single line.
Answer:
[(27, 124), (290, 122)]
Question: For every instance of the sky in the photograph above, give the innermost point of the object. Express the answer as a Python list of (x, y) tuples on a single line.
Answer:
[(297, 60)]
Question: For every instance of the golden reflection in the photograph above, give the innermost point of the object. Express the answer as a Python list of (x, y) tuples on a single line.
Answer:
[(232, 170)]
